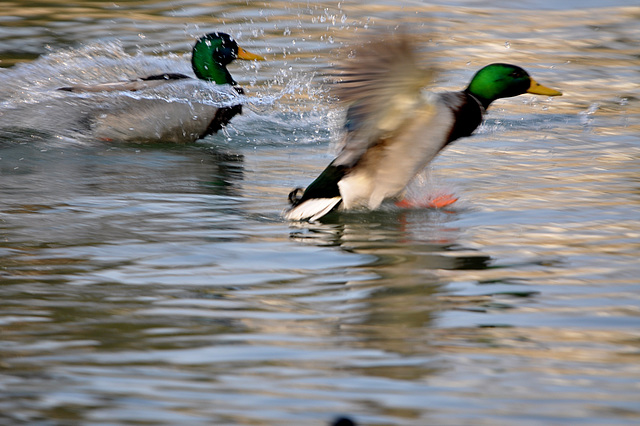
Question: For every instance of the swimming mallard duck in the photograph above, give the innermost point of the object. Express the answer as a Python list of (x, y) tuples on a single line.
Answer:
[(394, 127), (157, 119)]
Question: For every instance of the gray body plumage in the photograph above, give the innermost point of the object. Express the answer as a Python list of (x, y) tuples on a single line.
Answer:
[(156, 110)]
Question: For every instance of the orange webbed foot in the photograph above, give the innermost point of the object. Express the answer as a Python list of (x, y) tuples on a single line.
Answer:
[(437, 202), (442, 201), (405, 204)]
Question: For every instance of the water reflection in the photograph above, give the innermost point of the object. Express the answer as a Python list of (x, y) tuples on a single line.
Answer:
[(404, 293), (159, 285), (102, 196), (417, 240)]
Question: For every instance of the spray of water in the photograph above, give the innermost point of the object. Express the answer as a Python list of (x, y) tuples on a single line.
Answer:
[(31, 101)]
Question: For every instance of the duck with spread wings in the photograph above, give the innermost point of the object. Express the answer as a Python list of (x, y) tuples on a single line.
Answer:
[(394, 127)]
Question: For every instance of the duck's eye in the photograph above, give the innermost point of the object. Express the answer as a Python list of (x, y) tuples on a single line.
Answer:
[(516, 74)]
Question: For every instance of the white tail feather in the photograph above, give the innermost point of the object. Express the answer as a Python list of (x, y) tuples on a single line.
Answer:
[(312, 209)]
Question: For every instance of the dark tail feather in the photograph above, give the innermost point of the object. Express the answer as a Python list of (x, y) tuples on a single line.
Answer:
[(295, 196), (321, 196)]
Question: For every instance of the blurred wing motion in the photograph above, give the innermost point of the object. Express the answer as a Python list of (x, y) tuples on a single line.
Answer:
[(381, 86), (393, 129)]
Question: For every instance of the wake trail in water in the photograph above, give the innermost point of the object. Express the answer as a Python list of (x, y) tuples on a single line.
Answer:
[(32, 102)]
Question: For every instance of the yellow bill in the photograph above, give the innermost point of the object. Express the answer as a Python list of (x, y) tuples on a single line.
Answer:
[(246, 55), (538, 89)]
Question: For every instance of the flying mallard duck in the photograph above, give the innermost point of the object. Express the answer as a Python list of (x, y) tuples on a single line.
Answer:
[(394, 128), (157, 119)]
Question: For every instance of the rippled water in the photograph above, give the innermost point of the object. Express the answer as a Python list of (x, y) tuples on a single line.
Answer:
[(158, 284)]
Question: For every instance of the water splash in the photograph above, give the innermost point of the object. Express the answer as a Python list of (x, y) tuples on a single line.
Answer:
[(31, 99), (586, 116)]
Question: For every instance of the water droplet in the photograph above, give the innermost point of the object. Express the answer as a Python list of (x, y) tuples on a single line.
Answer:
[(586, 116), (507, 45)]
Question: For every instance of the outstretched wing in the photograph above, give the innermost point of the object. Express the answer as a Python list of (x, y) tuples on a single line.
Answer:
[(130, 85), (380, 83)]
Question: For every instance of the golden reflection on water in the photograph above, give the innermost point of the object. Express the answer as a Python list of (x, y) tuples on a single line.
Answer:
[(529, 285)]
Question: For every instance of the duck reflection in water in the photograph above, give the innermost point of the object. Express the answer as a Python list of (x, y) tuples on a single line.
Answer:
[(398, 285), (415, 240)]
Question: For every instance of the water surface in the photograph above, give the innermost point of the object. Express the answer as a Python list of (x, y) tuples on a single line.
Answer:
[(158, 284)]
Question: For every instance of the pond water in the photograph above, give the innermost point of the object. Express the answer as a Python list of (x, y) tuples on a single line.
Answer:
[(158, 283)]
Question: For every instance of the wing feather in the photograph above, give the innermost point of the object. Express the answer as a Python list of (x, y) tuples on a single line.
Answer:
[(129, 85), (381, 84)]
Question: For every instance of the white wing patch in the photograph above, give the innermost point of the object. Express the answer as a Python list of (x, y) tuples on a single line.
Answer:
[(312, 209)]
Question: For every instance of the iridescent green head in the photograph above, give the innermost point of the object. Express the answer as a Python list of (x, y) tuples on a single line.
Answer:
[(497, 81), (213, 52)]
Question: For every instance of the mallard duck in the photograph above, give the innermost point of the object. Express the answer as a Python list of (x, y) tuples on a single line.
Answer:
[(394, 127), (157, 119)]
